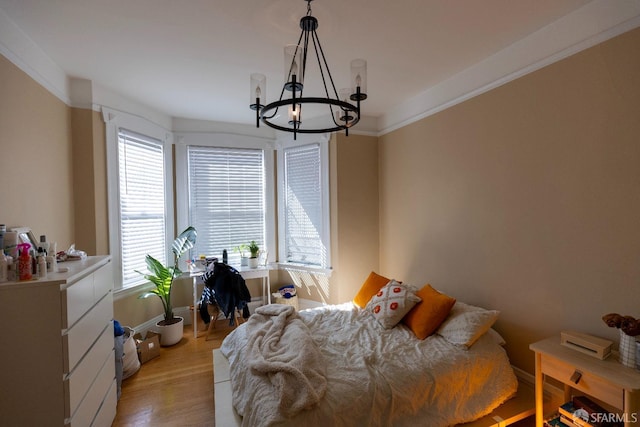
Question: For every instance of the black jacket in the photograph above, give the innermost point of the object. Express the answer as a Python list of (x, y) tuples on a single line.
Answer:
[(229, 289)]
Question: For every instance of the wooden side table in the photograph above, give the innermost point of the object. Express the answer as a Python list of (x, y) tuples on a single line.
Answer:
[(606, 380)]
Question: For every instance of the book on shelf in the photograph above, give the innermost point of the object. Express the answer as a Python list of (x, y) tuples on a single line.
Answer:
[(584, 412), (555, 421), (569, 412), (569, 421)]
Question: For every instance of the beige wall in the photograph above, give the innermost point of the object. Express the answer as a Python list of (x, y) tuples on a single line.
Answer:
[(354, 218), (90, 185), (36, 174), (525, 199)]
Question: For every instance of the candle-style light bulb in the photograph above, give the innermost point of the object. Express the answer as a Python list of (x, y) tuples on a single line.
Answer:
[(258, 92), (358, 80)]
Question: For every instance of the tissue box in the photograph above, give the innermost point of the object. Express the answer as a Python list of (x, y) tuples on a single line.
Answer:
[(149, 347)]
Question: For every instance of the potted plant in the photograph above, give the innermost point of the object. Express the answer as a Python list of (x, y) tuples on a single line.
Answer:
[(171, 327), (255, 250), (242, 249)]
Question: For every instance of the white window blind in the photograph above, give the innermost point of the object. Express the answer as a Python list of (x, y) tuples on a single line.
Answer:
[(304, 229), (142, 203), (226, 199)]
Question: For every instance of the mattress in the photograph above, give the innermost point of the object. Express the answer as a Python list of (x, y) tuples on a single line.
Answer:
[(379, 377)]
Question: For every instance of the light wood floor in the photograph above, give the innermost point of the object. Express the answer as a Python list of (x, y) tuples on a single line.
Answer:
[(176, 388)]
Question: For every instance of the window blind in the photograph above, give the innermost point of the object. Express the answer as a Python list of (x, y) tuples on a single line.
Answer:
[(303, 211), (142, 203), (226, 199)]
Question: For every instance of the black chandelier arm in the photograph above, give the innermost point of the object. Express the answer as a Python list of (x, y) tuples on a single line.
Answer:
[(310, 100), (318, 47)]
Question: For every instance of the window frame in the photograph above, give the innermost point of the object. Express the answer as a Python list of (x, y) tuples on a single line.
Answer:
[(325, 235), (114, 121), (226, 140)]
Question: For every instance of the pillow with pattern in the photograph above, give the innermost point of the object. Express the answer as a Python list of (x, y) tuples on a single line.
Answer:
[(391, 303)]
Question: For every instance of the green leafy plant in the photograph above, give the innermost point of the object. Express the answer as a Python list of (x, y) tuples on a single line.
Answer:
[(241, 249), (163, 276), (254, 249)]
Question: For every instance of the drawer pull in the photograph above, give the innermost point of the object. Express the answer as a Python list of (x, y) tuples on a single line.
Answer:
[(575, 378)]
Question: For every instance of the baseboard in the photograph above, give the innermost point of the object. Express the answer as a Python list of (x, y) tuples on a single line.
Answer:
[(551, 392)]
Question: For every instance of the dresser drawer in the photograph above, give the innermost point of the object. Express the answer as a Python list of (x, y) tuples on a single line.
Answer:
[(97, 394), (107, 411), (103, 281), (77, 299), (590, 384), (80, 379), (79, 339)]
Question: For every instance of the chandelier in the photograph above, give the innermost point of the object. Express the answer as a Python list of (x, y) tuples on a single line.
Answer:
[(334, 111)]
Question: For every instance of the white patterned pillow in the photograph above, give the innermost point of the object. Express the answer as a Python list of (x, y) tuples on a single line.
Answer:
[(466, 323), (391, 303)]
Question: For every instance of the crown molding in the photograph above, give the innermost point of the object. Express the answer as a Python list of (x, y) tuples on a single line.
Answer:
[(593, 23), (18, 48)]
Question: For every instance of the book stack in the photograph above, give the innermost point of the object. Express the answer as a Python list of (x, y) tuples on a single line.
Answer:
[(583, 412)]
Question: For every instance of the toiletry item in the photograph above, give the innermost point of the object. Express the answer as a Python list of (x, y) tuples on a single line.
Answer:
[(43, 243), (11, 244), (11, 269), (25, 267), (3, 229), (52, 260), (224, 256), (4, 268), (42, 266)]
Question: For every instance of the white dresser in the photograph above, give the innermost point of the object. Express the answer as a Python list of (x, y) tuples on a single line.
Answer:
[(57, 364)]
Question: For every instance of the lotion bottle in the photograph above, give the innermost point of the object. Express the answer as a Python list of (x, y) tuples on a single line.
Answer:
[(42, 264)]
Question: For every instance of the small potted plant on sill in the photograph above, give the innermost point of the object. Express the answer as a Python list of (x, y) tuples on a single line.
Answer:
[(255, 252), (171, 327)]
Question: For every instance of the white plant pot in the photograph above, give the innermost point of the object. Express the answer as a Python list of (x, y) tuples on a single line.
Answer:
[(253, 262), (170, 334)]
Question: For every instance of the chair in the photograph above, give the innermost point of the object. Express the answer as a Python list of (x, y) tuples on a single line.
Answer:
[(213, 311), (229, 291)]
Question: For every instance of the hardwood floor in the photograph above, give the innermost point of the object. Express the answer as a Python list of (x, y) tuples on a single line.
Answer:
[(176, 388)]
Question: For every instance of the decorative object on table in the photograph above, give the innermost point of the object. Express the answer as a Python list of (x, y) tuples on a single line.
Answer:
[(597, 347), (629, 328), (171, 327), (254, 249)]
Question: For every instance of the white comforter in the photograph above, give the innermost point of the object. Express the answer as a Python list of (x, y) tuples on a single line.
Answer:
[(378, 377)]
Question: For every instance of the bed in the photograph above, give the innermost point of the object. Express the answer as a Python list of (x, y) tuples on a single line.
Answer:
[(339, 365)]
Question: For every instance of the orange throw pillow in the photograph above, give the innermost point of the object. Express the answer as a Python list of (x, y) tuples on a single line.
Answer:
[(427, 315), (369, 288)]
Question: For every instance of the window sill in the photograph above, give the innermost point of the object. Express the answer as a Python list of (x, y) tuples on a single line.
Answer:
[(122, 293), (287, 266)]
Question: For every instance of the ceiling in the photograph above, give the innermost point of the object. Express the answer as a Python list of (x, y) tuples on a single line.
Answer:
[(192, 59)]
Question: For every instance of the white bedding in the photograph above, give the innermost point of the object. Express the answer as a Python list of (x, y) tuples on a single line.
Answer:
[(379, 377)]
